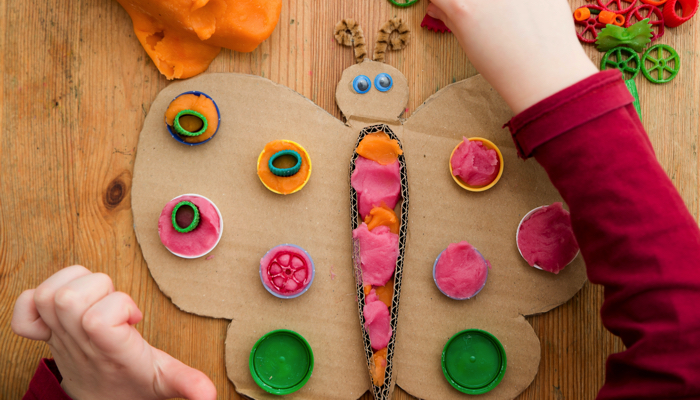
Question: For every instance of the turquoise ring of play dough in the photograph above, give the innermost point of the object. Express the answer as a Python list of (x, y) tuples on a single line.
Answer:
[(285, 172)]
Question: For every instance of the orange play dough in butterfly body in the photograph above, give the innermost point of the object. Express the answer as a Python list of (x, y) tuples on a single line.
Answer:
[(280, 184), (202, 105), (385, 293), (379, 369), (182, 37), (382, 216), (379, 147)]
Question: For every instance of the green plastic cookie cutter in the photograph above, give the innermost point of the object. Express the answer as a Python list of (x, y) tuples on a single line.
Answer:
[(474, 361), (661, 64), (403, 3), (620, 58), (195, 219), (281, 362), (632, 87), (184, 132), (635, 37)]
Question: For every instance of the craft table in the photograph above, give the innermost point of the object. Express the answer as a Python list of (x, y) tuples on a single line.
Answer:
[(76, 86)]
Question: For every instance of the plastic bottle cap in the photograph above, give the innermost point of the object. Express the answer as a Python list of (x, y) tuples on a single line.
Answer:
[(281, 362), (474, 361)]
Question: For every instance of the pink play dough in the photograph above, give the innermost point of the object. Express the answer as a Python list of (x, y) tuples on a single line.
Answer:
[(376, 184), (379, 250), (474, 163), (286, 270), (377, 321), (461, 271), (547, 240), (197, 242)]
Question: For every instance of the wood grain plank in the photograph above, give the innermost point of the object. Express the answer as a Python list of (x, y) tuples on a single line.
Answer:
[(76, 86)]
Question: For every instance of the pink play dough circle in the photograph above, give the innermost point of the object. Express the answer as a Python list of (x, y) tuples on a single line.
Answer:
[(287, 271), (546, 239), (202, 239), (460, 271)]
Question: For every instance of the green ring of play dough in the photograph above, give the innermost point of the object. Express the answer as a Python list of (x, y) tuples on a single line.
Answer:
[(195, 220), (184, 132)]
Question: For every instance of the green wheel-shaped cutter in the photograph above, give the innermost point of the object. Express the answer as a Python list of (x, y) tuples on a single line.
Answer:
[(661, 63), (620, 59), (195, 220), (403, 3), (182, 131)]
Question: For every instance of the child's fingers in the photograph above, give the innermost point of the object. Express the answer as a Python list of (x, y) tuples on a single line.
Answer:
[(75, 298), (175, 379), (26, 321), (108, 325), (453, 8), (44, 295), (435, 12)]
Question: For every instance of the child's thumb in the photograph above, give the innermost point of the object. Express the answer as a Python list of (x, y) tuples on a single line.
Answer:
[(437, 13), (175, 379)]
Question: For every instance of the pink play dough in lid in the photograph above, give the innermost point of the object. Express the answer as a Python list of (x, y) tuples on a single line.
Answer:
[(460, 271), (475, 164), (546, 239), (379, 250), (202, 239), (376, 184)]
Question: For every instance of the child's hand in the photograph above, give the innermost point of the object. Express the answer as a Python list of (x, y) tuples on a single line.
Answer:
[(527, 50), (89, 328)]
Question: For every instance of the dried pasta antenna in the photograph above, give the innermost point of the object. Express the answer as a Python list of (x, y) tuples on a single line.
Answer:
[(348, 33), (385, 41)]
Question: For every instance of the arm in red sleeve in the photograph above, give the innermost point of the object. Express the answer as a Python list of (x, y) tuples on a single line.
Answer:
[(636, 235), (46, 383)]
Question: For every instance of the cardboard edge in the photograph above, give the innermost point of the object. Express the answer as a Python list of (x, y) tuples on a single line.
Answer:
[(427, 102)]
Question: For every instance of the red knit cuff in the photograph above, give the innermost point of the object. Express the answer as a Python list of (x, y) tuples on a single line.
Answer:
[(568, 109), (46, 383)]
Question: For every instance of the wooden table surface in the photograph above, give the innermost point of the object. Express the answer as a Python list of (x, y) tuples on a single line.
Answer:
[(76, 86)]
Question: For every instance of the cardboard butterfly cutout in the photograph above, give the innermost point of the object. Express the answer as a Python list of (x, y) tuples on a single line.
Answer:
[(227, 285)]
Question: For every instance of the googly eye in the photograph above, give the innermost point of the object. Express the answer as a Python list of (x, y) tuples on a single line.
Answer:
[(361, 84), (383, 82)]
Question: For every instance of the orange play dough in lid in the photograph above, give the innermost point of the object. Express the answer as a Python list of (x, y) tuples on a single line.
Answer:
[(283, 184), (379, 147), (202, 105)]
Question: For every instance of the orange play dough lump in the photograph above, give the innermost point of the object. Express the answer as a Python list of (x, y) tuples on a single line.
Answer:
[(379, 147), (379, 369), (280, 184), (202, 105), (182, 37), (382, 216), (386, 293)]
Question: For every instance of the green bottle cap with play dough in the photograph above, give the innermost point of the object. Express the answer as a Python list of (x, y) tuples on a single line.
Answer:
[(281, 362), (474, 361)]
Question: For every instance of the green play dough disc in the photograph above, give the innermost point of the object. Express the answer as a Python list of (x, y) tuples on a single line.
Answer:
[(474, 361), (281, 362)]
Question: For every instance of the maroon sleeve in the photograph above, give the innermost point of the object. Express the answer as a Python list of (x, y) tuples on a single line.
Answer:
[(636, 235), (46, 383)]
